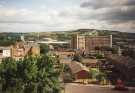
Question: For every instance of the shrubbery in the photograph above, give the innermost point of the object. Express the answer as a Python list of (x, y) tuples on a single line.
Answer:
[(99, 56), (97, 75), (44, 49)]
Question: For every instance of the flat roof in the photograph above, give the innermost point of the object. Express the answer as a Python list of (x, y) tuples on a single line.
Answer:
[(1, 47), (53, 42)]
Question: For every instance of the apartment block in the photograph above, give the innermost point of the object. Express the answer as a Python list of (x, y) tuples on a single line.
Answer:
[(78, 42), (90, 42)]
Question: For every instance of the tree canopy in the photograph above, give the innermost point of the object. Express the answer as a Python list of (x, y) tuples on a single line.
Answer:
[(44, 48), (31, 75)]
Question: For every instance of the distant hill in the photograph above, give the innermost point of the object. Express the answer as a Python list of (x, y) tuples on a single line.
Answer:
[(118, 37)]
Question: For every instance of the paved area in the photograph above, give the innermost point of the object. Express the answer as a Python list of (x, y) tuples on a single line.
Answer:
[(79, 88)]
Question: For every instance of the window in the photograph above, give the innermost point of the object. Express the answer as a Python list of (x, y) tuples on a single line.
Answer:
[(1, 51)]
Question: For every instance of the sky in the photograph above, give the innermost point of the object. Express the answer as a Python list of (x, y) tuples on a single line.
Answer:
[(63, 15)]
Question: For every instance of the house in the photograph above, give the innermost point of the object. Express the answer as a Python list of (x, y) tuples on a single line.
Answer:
[(5, 52), (79, 70)]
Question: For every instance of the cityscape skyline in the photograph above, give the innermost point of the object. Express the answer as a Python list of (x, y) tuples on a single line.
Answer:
[(59, 15)]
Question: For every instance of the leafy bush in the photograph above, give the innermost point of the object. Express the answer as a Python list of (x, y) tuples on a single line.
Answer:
[(44, 48), (96, 74), (99, 56)]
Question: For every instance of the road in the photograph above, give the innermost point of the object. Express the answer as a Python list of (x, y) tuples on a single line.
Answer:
[(79, 88)]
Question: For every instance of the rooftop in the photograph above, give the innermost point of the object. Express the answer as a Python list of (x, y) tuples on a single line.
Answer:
[(77, 67)]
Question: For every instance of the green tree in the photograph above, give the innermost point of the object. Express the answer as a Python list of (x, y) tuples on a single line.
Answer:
[(31, 75), (7, 40), (44, 48), (99, 56), (96, 74)]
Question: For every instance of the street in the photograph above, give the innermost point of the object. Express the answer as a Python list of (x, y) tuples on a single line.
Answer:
[(79, 88)]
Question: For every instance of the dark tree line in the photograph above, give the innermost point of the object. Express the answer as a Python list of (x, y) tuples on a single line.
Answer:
[(6, 40)]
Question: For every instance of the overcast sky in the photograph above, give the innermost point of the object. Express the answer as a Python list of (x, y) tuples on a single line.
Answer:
[(59, 15)]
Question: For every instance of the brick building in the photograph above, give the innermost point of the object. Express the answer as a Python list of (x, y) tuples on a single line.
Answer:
[(19, 50), (79, 70), (78, 42), (90, 42)]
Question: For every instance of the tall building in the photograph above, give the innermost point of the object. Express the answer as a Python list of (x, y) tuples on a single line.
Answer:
[(78, 42), (90, 42)]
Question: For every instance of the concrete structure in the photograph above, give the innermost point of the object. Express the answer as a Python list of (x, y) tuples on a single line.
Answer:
[(90, 42), (51, 41)]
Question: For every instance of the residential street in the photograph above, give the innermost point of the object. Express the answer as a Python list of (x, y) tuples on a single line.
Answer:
[(79, 88)]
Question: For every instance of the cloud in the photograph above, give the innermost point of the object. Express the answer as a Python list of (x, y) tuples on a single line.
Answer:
[(97, 14), (26, 20), (43, 20), (117, 13), (96, 4)]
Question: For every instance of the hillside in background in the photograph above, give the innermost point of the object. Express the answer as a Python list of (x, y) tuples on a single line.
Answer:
[(119, 38)]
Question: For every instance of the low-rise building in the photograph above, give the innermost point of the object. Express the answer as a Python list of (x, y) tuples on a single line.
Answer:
[(79, 70), (19, 50), (5, 52)]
